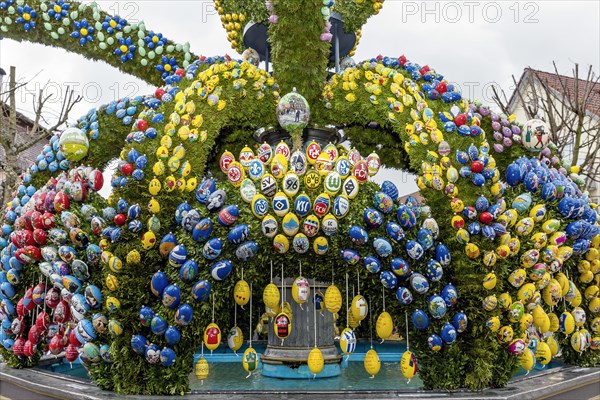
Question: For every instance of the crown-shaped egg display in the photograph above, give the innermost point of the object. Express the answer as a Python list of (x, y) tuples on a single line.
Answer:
[(495, 265)]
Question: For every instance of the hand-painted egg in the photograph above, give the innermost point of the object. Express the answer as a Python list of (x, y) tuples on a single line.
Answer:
[(329, 225), (388, 280), (298, 163), (291, 184), (383, 202), (322, 204), (436, 306), (178, 255), (269, 226), (351, 257), (311, 225), (408, 365), (139, 343), (188, 271), (350, 187), (247, 190), (246, 251), (221, 269), (419, 283), (373, 218), (382, 247), (414, 249), (358, 235), (264, 153), (228, 215), (372, 264), (343, 166), (238, 234), (448, 333), (320, 245), (212, 249), (434, 271), (184, 314), (216, 200), (260, 206), (300, 243), (420, 320), (281, 204), (390, 189), (400, 267), (522, 202), (450, 295), (406, 217)]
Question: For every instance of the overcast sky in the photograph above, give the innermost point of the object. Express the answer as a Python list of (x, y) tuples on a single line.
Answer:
[(473, 43)]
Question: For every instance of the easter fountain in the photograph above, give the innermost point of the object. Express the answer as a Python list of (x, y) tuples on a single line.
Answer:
[(499, 269)]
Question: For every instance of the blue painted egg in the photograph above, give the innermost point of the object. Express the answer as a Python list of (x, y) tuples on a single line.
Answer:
[(139, 343), (549, 191), (146, 315), (67, 254), (382, 247), (85, 328), (406, 217), (167, 357), (414, 249), (152, 353), (302, 205), (450, 295), (171, 296), (478, 180), (238, 234), (419, 283), (246, 251), (158, 326), (372, 264), (434, 271), (358, 235), (202, 230), (185, 312), (390, 189), (404, 296), (172, 335), (341, 206), (394, 231), (181, 211), (400, 267), (522, 202), (158, 283), (201, 290), (221, 269), (388, 280), (420, 320), (489, 232), (105, 353), (135, 226), (216, 200), (204, 190), (93, 296), (462, 157), (122, 205), (178, 255), (531, 181), (383, 202), (71, 283), (188, 271), (437, 306), (373, 218), (460, 321), (190, 220), (228, 215), (448, 333), (350, 257), (474, 228), (212, 249), (482, 204), (442, 254), (425, 238), (434, 342)]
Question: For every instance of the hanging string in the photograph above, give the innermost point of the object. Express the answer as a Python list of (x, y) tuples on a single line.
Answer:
[(383, 296), (406, 319), (300, 304), (370, 326), (271, 271), (315, 309), (300, 268), (332, 274), (242, 273), (213, 307), (358, 281), (282, 289), (347, 305), (250, 327)]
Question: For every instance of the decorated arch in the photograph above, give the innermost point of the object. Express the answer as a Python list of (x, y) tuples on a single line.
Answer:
[(498, 266)]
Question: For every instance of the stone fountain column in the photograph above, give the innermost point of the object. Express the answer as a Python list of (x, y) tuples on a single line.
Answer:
[(287, 358)]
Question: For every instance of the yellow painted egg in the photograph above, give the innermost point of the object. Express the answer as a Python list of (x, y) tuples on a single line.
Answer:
[(372, 363), (591, 292), (493, 324), (201, 368), (115, 264), (408, 365), (315, 362), (250, 360), (112, 303), (517, 277), (578, 316), (564, 253), (353, 322), (359, 307), (191, 184), (503, 251), (148, 240), (112, 283), (505, 334), (300, 290), (333, 299), (279, 166), (241, 292), (347, 341), (539, 240), (472, 251), (489, 281), (552, 293), (579, 341), (281, 244), (170, 183), (271, 296), (540, 319), (553, 345), (504, 301), (489, 259), (158, 168), (595, 325), (551, 226), (538, 212), (457, 205), (524, 226), (320, 245), (290, 224), (212, 336), (133, 257), (154, 187), (527, 359), (282, 325), (594, 305), (384, 325), (592, 254), (563, 281), (490, 303), (526, 292), (154, 206), (595, 343), (543, 354), (235, 338), (526, 321)]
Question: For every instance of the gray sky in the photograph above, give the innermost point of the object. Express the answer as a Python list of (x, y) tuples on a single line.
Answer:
[(473, 43)]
